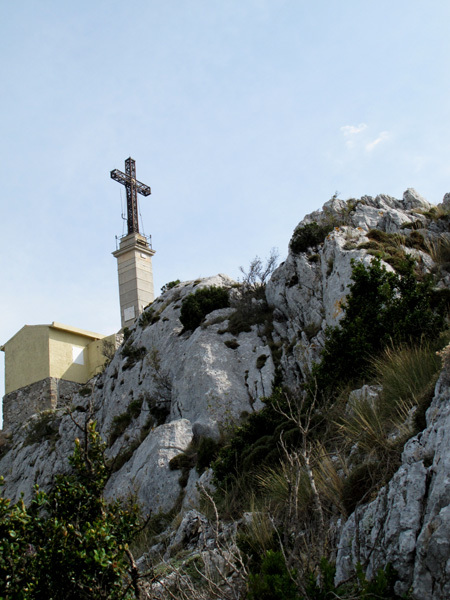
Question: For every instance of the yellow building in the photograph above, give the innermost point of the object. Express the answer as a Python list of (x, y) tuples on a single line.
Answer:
[(42, 362), (40, 351)]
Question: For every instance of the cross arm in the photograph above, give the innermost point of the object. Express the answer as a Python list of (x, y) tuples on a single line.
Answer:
[(125, 179)]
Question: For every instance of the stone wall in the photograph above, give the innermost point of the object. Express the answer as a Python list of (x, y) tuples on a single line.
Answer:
[(49, 393)]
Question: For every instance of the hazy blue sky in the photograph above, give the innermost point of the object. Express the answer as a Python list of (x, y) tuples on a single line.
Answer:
[(242, 116)]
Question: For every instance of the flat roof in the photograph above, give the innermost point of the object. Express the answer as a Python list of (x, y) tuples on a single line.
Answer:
[(91, 334), (60, 327)]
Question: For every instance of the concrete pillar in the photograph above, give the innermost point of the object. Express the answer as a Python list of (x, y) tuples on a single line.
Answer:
[(134, 265)]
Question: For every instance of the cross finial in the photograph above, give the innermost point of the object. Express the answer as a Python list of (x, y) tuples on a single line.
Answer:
[(133, 187)]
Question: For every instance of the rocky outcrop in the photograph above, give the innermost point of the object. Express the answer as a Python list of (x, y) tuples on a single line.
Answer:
[(308, 289), (408, 524), (166, 387)]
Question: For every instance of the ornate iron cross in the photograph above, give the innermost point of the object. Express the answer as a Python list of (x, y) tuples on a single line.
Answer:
[(133, 187)]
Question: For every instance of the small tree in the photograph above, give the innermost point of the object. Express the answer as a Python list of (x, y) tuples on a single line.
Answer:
[(69, 543), (258, 273)]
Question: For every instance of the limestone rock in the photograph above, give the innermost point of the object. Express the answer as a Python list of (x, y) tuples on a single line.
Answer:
[(147, 474), (166, 387), (408, 524), (162, 387)]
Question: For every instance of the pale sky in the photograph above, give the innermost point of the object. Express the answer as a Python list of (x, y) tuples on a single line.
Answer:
[(242, 116)]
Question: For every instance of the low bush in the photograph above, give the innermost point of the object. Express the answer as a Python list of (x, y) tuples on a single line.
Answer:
[(85, 391), (132, 354), (148, 318), (389, 247), (308, 236), (129, 449), (207, 451), (182, 461), (233, 344), (439, 250), (159, 409), (363, 481), (255, 443), (249, 313), (274, 580), (196, 306), (168, 286), (380, 587), (122, 421), (44, 427)]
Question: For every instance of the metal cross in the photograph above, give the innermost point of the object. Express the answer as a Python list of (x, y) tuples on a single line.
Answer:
[(133, 187)]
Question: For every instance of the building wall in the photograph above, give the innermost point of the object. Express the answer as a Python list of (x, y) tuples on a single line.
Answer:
[(96, 358), (68, 355), (27, 357), (47, 394), (39, 352)]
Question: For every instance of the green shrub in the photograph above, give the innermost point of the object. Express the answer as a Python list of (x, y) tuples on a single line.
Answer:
[(261, 361), (200, 454), (382, 308), (168, 286), (196, 306), (274, 581), (381, 587), (122, 421), (423, 403), (45, 427), (182, 461), (207, 450), (308, 236), (85, 391), (159, 409), (132, 354), (388, 247), (69, 543), (148, 318), (127, 451), (439, 250), (363, 480), (249, 313), (242, 454), (233, 344), (416, 240)]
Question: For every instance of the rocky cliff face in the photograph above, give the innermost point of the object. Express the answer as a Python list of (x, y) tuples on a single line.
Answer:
[(162, 387), (165, 386), (408, 524)]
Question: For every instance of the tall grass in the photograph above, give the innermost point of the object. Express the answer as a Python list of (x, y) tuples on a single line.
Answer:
[(439, 250), (406, 374)]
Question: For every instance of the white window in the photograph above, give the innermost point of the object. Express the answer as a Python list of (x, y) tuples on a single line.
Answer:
[(78, 355), (128, 313)]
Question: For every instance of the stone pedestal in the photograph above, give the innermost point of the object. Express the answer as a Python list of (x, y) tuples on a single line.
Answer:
[(134, 265)]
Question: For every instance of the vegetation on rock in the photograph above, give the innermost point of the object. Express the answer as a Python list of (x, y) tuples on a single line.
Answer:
[(196, 306), (383, 308), (309, 235)]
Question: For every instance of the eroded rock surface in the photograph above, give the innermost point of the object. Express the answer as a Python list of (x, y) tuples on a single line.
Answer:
[(166, 386)]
